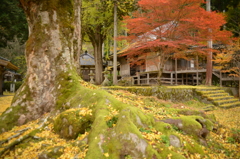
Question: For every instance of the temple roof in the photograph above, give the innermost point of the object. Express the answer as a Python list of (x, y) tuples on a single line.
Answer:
[(6, 63), (87, 59)]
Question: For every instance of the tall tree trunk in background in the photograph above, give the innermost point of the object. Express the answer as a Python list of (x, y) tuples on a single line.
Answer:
[(1, 80), (238, 64), (239, 87), (209, 55), (115, 45), (97, 40), (50, 53), (77, 35)]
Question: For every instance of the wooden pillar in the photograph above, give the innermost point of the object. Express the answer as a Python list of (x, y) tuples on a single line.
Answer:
[(138, 78), (171, 78), (186, 78), (1, 80), (147, 78), (197, 70), (182, 79), (220, 78), (175, 71), (192, 79)]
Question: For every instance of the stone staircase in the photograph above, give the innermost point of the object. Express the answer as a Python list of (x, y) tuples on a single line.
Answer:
[(217, 97)]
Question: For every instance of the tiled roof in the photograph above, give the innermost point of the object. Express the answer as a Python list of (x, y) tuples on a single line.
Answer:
[(87, 59), (6, 63), (2, 58)]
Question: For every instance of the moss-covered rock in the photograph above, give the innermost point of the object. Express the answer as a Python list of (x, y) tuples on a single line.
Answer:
[(189, 112), (72, 122), (196, 126)]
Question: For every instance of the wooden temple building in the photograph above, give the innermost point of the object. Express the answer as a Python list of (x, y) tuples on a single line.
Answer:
[(175, 71), (5, 65)]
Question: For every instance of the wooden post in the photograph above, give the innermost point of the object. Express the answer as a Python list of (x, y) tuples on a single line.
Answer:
[(192, 79), (115, 45), (138, 78), (1, 80), (171, 78), (175, 71), (147, 78), (182, 79), (197, 70), (186, 78), (220, 78)]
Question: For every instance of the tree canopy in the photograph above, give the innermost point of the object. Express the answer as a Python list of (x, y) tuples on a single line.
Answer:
[(98, 23), (232, 9), (168, 27)]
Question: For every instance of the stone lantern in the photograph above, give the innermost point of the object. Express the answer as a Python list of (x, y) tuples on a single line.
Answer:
[(106, 82), (91, 75)]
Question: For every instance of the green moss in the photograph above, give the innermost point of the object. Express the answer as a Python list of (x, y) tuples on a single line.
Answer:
[(166, 153), (191, 126), (163, 127), (70, 124), (152, 153), (125, 123), (194, 148), (9, 120), (53, 152)]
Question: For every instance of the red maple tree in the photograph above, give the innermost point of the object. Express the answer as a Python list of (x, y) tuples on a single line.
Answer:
[(169, 28)]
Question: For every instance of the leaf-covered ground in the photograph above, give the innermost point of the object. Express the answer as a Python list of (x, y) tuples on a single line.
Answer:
[(223, 142), (5, 101)]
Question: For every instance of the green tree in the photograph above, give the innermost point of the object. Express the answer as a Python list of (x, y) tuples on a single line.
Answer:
[(232, 9), (14, 51), (98, 21), (12, 22), (233, 21)]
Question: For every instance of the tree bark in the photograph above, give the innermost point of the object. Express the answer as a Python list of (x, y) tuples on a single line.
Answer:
[(97, 40), (77, 35), (115, 46), (209, 56), (1, 80), (50, 53), (238, 64)]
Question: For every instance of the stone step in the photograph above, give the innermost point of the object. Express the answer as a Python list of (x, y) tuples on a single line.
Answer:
[(230, 105), (208, 108), (215, 95), (220, 98), (208, 89), (212, 92), (222, 102)]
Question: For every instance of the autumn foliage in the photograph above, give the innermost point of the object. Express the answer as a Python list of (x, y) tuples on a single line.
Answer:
[(168, 27)]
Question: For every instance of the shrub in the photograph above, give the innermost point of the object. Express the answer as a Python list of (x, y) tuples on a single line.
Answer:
[(6, 85)]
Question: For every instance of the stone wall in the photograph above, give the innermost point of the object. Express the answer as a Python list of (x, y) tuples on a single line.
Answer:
[(172, 94)]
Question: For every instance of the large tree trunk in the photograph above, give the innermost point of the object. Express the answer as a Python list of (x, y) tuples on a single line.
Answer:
[(238, 80), (50, 53), (97, 40), (77, 35), (209, 56)]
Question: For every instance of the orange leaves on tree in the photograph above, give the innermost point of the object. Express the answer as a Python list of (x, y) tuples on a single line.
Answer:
[(168, 27)]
